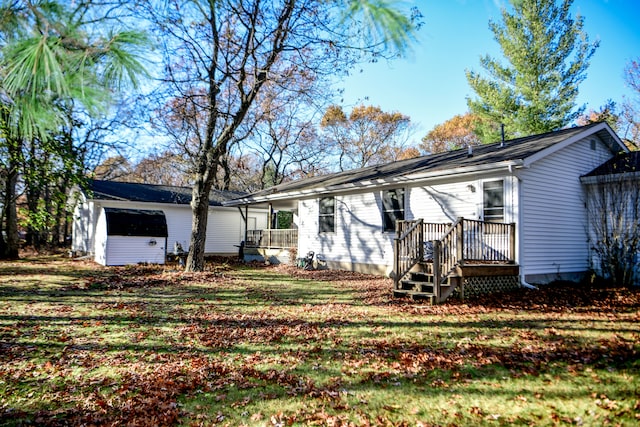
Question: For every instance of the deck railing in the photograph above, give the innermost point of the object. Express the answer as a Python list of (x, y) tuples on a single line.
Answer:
[(273, 238), (448, 246), (488, 241)]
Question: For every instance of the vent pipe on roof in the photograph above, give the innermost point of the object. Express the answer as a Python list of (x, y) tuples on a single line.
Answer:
[(502, 134), (470, 152)]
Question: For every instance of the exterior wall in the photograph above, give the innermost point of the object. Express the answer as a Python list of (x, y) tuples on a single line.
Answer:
[(225, 230), (82, 229), (100, 238), (358, 236), (553, 215), (225, 227), (123, 250), (613, 208), (546, 201), (178, 225), (446, 201), (359, 243)]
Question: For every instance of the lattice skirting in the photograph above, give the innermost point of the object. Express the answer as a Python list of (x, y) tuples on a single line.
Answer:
[(479, 285)]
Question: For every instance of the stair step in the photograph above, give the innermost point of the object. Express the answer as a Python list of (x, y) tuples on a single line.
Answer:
[(414, 295), (427, 267), (417, 285), (421, 277)]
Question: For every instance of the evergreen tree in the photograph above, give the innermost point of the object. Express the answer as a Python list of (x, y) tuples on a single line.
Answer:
[(55, 57), (547, 53)]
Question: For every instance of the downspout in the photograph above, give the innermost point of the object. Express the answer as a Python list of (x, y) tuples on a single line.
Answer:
[(523, 282)]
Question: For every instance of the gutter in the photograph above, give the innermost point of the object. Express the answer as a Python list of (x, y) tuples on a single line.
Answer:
[(366, 185)]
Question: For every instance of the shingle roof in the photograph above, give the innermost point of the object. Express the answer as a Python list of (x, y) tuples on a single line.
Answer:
[(511, 150), (621, 163), (136, 192)]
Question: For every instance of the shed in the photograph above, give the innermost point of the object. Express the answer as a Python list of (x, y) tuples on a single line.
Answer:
[(131, 236)]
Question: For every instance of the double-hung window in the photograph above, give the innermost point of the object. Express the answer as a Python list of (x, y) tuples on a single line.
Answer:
[(392, 208), (327, 215)]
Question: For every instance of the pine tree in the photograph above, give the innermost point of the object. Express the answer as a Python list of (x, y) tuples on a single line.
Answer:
[(547, 53)]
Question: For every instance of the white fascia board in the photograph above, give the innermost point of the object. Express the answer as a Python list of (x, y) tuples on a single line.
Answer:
[(380, 183), (559, 146)]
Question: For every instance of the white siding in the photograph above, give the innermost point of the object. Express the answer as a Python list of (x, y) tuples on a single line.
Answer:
[(178, 226), (224, 230), (100, 238), (359, 238), (444, 203), (123, 250), (82, 228), (553, 214)]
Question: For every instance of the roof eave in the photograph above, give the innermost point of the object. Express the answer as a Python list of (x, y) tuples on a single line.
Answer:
[(608, 178), (372, 184), (603, 131)]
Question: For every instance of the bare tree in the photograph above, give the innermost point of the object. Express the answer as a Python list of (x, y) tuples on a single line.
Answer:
[(219, 56), (630, 124), (613, 207)]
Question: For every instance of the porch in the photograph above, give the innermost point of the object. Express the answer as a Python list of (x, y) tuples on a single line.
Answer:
[(432, 260), (275, 246), (272, 238)]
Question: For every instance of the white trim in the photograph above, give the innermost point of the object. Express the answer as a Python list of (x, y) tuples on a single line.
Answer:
[(560, 145), (420, 178), (482, 194)]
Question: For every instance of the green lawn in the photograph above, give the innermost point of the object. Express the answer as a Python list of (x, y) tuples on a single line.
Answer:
[(81, 345)]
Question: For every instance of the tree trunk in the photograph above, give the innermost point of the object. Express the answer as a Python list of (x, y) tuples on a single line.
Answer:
[(59, 235), (11, 246), (200, 215)]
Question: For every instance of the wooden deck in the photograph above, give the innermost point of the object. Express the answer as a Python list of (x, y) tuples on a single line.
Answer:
[(432, 260)]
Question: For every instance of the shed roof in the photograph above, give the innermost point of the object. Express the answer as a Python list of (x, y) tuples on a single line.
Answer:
[(620, 163), (136, 192), (515, 152)]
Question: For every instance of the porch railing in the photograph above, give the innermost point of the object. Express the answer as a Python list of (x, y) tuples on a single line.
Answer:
[(273, 238)]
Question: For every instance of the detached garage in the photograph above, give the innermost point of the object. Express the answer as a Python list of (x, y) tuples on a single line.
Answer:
[(131, 236)]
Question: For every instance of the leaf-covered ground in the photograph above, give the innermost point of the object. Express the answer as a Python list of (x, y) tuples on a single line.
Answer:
[(152, 346)]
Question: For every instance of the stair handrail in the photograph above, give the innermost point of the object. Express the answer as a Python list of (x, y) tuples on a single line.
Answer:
[(447, 254), (408, 248)]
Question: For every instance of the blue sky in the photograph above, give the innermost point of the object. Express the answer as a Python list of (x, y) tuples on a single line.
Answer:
[(430, 84)]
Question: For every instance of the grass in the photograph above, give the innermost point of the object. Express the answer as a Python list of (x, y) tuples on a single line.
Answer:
[(236, 345)]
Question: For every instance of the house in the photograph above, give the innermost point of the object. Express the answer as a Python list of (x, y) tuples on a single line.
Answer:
[(388, 218), (122, 223)]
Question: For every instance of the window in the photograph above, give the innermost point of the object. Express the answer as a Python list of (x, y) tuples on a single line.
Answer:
[(392, 208), (327, 216), (493, 195)]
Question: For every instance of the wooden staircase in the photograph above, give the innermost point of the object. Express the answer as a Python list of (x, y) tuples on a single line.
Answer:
[(432, 260), (422, 284)]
